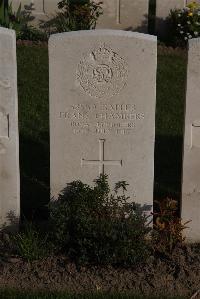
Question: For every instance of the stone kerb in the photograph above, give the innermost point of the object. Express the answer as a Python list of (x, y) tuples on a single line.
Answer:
[(191, 161), (102, 109), (9, 142)]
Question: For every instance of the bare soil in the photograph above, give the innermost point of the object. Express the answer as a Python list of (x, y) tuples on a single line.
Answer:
[(178, 274)]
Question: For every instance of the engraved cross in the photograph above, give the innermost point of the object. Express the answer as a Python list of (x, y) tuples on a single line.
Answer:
[(118, 9), (4, 125), (5, 83), (101, 162)]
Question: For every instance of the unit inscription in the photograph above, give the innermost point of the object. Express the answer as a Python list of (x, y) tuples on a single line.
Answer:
[(117, 119)]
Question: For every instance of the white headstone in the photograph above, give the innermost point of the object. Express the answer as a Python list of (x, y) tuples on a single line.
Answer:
[(163, 8), (191, 163), (36, 5), (102, 109), (9, 143), (124, 14), (40, 9), (118, 14)]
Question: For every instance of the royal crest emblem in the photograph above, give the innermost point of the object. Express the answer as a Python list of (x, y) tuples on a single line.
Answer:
[(102, 73)]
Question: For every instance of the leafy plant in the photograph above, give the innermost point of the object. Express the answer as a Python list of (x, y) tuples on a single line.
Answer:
[(168, 227), (4, 16), (32, 33), (74, 15), (9, 19), (185, 23), (91, 225), (30, 244)]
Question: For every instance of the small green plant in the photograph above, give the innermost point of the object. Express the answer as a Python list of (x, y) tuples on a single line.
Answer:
[(30, 244), (4, 15), (31, 33), (74, 15), (10, 19), (92, 225), (185, 23), (168, 227)]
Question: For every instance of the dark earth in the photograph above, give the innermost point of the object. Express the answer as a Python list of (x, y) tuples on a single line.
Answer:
[(175, 274)]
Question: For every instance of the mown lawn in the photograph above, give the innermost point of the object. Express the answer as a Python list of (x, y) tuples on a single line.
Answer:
[(28, 295), (171, 81), (34, 126), (34, 129)]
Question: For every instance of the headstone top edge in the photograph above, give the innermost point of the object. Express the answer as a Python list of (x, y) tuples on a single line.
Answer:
[(7, 31), (105, 32), (194, 41)]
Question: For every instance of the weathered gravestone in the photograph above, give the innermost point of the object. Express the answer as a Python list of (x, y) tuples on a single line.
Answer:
[(40, 9), (191, 164), (124, 14), (37, 7), (118, 14), (163, 8), (9, 152), (102, 109)]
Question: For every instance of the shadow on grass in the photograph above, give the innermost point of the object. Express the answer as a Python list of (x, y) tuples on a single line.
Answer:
[(35, 191), (168, 166)]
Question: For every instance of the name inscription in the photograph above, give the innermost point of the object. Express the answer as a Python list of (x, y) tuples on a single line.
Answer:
[(118, 119)]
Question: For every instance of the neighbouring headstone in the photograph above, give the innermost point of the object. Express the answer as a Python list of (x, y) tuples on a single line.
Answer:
[(102, 109), (191, 163), (40, 9), (9, 147), (124, 14), (118, 14), (37, 7), (163, 8)]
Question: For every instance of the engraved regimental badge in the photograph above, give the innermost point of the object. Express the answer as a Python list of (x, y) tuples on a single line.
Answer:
[(102, 73)]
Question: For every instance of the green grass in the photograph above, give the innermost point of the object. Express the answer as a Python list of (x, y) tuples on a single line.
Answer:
[(34, 127), (28, 295), (171, 79)]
